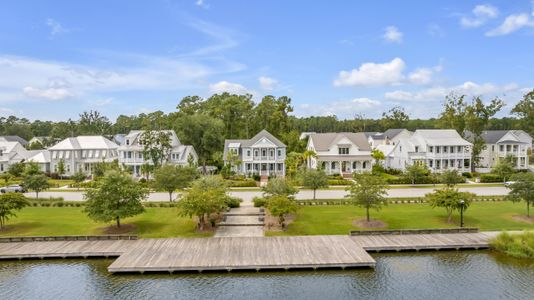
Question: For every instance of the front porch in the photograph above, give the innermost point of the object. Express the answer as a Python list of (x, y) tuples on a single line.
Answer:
[(345, 168), (264, 169)]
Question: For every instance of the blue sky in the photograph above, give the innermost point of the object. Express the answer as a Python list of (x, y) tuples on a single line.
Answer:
[(58, 58)]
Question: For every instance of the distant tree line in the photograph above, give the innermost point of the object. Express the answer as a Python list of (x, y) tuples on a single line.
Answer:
[(205, 123)]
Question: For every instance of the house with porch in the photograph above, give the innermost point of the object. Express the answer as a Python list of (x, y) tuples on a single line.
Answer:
[(340, 153), (131, 152), (500, 144), (263, 154), (11, 153), (438, 149), (82, 153)]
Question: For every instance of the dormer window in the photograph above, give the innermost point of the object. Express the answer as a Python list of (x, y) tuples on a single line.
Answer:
[(343, 150), (127, 142), (430, 149), (416, 149)]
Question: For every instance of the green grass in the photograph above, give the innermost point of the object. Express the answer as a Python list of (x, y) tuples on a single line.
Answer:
[(519, 245), (155, 222), (316, 220)]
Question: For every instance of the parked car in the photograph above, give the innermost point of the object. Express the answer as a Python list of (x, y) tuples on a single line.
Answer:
[(508, 183), (15, 188)]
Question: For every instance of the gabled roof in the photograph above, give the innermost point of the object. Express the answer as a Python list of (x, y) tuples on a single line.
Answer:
[(7, 146), (441, 137), (392, 133), (14, 138), (323, 141), (494, 136), (248, 143), (84, 142), (38, 156), (133, 135), (370, 133)]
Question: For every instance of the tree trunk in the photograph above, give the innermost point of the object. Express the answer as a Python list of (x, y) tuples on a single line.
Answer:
[(449, 216), (367, 213), (314, 194), (528, 209), (170, 196), (36, 195), (118, 222)]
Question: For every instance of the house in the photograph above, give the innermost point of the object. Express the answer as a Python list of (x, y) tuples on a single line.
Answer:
[(503, 143), (387, 150), (40, 157), (438, 149), (14, 138), (81, 153), (11, 153), (388, 137), (131, 152), (263, 154), (340, 153), (43, 141)]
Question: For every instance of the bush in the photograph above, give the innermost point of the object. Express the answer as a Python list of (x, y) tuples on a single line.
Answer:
[(515, 245), (378, 169), (233, 202), (486, 178), (335, 177), (241, 183), (406, 180), (339, 182), (392, 171), (256, 177), (259, 201), (467, 175)]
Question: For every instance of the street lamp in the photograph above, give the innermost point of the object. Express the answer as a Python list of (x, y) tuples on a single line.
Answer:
[(462, 202)]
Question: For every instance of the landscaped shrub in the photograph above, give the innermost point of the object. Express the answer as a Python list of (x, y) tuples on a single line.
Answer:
[(256, 177), (490, 178), (335, 177), (241, 183), (339, 182), (467, 175), (259, 201), (392, 171), (233, 202)]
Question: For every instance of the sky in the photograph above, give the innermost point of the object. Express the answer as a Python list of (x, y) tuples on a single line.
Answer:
[(343, 58)]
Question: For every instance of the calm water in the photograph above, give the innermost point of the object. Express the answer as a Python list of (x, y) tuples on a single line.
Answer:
[(427, 275)]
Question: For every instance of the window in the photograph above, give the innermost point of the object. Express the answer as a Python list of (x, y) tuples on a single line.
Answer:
[(430, 149), (508, 148), (459, 149), (271, 152), (333, 165), (129, 154), (501, 148), (263, 152), (431, 163), (437, 149), (279, 153), (445, 149), (255, 152), (127, 142), (515, 148), (343, 150), (452, 149), (248, 152), (416, 149), (1, 152)]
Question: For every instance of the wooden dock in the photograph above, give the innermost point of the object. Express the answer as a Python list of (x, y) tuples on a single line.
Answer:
[(242, 253)]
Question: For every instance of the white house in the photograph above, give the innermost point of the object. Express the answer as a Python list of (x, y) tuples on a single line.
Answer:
[(40, 157), (438, 149), (263, 154), (14, 138), (131, 152), (11, 153), (388, 137), (81, 153), (340, 153), (503, 143)]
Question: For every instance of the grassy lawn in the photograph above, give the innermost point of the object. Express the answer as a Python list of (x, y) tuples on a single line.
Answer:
[(315, 220), (60, 182), (155, 222)]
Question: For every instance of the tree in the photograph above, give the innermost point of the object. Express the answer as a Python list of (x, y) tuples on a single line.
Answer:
[(504, 168), (416, 171), (454, 113), (377, 155), (170, 177), (31, 168), (61, 168), (146, 169), (6, 177), (307, 155), (78, 178), (16, 169), (368, 191), (156, 146), (450, 199), (272, 114), (36, 183), (93, 123), (396, 117), (525, 110), (293, 161), (117, 196), (279, 186), (9, 203), (314, 179), (522, 189), (233, 160), (208, 195), (280, 206), (451, 177)]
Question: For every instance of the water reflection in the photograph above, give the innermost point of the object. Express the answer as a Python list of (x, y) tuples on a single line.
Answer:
[(426, 275)]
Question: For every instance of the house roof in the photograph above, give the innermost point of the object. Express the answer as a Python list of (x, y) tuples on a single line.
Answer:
[(442, 137), (392, 133), (494, 136), (386, 149), (243, 143), (7, 146), (370, 133), (14, 138), (38, 156), (84, 142), (323, 141)]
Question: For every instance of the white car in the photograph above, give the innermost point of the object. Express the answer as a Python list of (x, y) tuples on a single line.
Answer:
[(508, 183), (14, 188)]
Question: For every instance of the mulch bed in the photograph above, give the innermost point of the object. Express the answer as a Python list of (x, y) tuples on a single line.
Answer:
[(271, 223), (522, 218), (113, 229)]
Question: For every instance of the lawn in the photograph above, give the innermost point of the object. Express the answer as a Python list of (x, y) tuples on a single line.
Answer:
[(315, 220), (60, 182), (155, 222)]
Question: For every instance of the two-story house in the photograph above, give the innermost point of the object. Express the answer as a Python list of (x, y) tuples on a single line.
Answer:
[(131, 152), (81, 153), (438, 149), (11, 153), (500, 144), (263, 154), (388, 137), (340, 153)]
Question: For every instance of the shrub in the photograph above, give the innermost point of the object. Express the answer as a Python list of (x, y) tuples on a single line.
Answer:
[(232, 202), (339, 182), (378, 169), (467, 175), (241, 183), (256, 177), (259, 201), (490, 178), (392, 171), (515, 245), (335, 177)]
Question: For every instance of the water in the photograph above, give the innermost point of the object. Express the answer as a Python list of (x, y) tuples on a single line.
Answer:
[(426, 275)]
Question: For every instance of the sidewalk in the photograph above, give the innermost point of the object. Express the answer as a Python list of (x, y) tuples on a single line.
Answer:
[(243, 221)]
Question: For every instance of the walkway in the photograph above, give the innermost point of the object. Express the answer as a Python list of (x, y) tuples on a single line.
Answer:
[(243, 253), (243, 221)]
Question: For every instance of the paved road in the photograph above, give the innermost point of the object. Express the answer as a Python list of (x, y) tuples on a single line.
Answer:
[(305, 194)]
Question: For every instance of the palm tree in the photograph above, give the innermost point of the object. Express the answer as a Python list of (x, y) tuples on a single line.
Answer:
[(306, 156)]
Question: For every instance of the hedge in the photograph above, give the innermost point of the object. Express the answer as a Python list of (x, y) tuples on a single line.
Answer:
[(390, 201), (485, 178), (339, 182), (241, 183)]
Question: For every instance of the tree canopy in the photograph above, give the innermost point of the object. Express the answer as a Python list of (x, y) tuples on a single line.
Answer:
[(522, 189), (169, 178), (314, 179), (368, 191), (10, 203), (450, 199)]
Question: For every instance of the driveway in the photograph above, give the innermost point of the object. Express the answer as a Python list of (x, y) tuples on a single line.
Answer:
[(247, 196)]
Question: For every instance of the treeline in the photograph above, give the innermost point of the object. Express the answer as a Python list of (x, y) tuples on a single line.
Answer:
[(205, 123)]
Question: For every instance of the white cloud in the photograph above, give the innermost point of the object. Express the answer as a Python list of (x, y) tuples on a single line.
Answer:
[(225, 86), (512, 23), (481, 14), (392, 34), (373, 74), (55, 27), (102, 101), (268, 83), (421, 76), (49, 93), (365, 102), (202, 4)]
